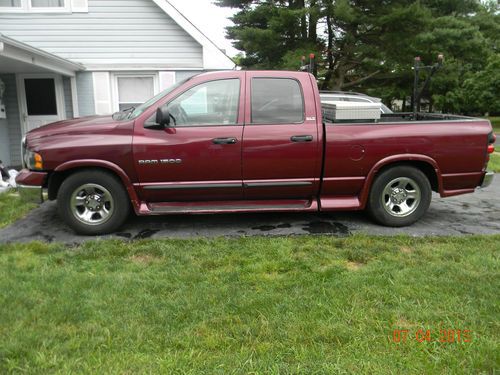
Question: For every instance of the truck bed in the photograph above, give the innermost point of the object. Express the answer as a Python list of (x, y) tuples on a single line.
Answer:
[(449, 146)]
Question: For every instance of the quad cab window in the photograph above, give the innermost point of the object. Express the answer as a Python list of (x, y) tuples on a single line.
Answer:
[(277, 101)]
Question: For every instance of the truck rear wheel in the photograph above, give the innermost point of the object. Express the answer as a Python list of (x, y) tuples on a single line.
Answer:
[(399, 196), (93, 202)]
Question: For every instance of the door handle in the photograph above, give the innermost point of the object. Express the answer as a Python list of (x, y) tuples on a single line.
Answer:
[(224, 141), (301, 138)]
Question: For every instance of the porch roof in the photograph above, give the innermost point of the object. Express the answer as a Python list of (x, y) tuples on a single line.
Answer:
[(19, 57)]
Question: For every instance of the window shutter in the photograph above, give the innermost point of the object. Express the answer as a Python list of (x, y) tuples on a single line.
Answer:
[(102, 93), (79, 6)]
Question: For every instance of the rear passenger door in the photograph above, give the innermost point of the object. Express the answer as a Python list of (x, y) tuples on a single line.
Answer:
[(281, 150)]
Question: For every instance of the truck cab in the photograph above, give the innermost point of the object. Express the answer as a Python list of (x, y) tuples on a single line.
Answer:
[(233, 136)]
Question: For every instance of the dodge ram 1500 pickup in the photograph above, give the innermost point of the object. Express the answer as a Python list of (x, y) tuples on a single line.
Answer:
[(241, 141)]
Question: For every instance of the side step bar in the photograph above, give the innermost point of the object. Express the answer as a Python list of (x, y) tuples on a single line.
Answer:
[(288, 205)]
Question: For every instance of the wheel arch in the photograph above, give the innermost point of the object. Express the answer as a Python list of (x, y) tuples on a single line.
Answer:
[(424, 163), (66, 169)]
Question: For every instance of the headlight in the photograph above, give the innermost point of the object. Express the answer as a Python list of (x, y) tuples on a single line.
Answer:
[(33, 160)]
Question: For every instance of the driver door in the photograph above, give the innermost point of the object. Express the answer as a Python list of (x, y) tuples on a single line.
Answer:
[(197, 157)]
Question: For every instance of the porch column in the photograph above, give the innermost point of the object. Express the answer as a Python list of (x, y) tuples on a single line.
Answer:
[(74, 96)]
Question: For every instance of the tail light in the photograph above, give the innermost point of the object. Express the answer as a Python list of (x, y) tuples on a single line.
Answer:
[(491, 142), (490, 149)]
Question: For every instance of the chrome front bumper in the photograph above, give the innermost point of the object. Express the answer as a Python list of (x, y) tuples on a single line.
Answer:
[(30, 194), (487, 179)]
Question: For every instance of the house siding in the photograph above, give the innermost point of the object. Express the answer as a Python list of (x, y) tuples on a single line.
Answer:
[(4, 142), (12, 131), (113, 33), (4, 134), (85, 90)]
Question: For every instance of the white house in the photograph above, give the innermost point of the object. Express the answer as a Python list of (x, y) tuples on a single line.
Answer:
[(70, 58)]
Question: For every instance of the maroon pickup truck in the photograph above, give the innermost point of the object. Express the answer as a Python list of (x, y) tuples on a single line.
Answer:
[(254, 141)]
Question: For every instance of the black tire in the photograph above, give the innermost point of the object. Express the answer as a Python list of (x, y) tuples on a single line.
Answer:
[(390, 201), (93, 202)]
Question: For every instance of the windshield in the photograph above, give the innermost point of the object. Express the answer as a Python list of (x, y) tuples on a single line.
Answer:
[(132, 113)]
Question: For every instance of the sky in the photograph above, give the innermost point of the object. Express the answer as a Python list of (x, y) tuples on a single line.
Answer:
[(210, 19)]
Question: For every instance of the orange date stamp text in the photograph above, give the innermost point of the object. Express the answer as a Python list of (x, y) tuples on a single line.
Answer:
[(450, 336)]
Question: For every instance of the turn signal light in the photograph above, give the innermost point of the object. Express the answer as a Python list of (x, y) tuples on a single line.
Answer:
[(38, 161)]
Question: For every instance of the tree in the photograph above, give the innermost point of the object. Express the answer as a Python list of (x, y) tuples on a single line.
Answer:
[(369, 45), (267, 31), (480, 92)]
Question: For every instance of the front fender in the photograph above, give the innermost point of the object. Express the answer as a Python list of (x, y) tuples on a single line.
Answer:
[(96, 163)]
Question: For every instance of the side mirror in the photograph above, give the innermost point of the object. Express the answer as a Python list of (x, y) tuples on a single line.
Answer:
[(163, 116)]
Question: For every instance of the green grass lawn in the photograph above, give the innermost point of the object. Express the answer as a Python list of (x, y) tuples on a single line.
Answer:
[(308, 305), (494, 163), (12, 208), (495, 122)]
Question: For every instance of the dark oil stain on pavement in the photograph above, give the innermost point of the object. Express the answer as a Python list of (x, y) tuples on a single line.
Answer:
[(326, 227), (264, 228), (47, 237), (313, 227), (267, 228), (145, 233), (284, 225)]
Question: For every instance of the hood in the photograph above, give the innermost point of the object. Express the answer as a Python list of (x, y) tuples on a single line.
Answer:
[(67, 126), (92, 125)]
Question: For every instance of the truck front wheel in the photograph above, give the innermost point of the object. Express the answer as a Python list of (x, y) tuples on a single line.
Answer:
[(93, 202), (399, 196)]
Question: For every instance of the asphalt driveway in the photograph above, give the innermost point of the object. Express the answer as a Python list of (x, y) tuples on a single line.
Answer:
[(477, 213)]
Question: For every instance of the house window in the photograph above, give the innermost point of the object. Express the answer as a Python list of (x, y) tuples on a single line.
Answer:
[(10, 4), (133, 90), (43, 6), (47, 3), (41, 97)]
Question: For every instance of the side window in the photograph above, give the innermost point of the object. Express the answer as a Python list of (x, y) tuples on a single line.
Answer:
[(210, 103), (277, 101)]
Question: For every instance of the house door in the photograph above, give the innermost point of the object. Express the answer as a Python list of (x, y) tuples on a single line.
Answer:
[(42, 100)]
